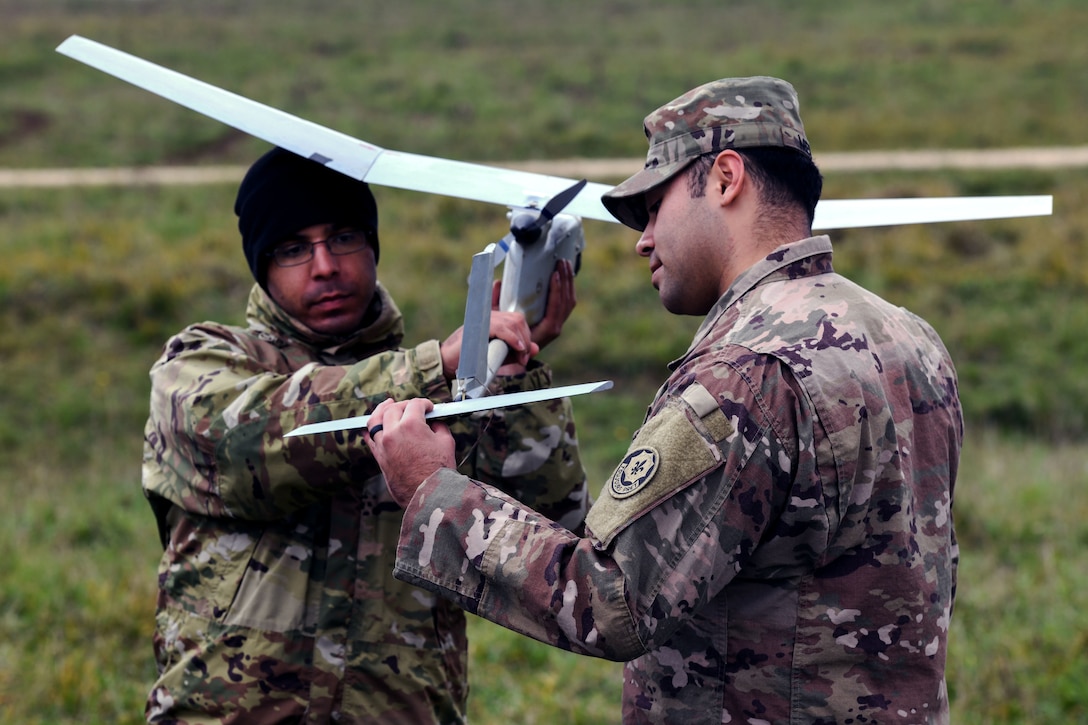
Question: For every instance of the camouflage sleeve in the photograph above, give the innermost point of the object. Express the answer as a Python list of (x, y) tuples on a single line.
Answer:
[(531, 452), (680, 515), (214, 439), (496, 558)]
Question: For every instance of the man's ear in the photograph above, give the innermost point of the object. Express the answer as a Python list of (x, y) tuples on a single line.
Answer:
[(728, 175)]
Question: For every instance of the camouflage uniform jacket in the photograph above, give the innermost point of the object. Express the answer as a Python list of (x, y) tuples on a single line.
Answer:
[(777, 545), (276, 600)]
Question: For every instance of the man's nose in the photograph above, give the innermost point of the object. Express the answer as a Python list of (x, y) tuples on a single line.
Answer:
[(645, 243), (324, 261)]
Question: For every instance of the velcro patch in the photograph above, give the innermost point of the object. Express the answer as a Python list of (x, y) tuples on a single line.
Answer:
[(674, 448)]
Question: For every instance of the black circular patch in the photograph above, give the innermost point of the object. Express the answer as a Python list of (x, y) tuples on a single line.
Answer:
[(636, 470)]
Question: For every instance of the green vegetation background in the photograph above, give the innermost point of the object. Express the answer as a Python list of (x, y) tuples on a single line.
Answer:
[(93, 280)]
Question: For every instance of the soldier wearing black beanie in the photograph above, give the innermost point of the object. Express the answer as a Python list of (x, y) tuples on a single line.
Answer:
[(278, 550), (283, 192)]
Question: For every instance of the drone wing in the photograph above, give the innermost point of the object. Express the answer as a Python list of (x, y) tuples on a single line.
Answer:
[(463, 407), (847, 213), (508, 187), (358, 159)]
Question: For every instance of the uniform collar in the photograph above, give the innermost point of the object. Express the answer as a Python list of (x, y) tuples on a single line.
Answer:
[(805, 258), (384, 328)]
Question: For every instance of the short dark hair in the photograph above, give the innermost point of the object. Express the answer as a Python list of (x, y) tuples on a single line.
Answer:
[(784, 176)]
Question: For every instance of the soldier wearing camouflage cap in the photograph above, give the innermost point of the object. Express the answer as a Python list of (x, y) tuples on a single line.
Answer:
[(276, 596), (777, 545)]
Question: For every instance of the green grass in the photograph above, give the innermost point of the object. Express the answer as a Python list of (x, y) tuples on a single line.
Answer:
[(484, 79), (94, 280)]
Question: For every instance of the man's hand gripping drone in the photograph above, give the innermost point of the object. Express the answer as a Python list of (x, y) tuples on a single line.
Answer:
[(537, 240)]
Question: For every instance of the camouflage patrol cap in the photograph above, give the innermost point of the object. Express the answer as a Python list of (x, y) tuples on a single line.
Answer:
[(731, 113)]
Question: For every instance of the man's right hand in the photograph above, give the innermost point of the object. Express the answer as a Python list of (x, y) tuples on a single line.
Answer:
[(510, 327)]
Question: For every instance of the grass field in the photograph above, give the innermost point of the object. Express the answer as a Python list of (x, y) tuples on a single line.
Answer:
[(95, 279)]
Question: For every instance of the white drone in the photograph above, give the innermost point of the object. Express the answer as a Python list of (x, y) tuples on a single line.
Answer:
[(539, 234)]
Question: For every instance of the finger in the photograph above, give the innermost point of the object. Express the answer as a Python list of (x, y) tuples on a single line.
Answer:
[(378, 413), (417, 408), (383, 415), (561, 302), (511, 328), (563, 286)]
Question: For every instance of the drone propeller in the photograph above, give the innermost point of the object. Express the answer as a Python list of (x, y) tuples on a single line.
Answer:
[(528, 233)]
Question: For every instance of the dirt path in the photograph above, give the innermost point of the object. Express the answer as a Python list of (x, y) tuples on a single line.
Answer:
[(1019, 158), (1022, 158)]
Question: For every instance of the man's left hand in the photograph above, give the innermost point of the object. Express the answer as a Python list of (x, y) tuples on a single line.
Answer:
[(561, 302), (408, 448)]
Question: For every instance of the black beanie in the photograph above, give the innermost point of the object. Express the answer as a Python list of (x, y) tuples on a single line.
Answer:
[(283, 193)]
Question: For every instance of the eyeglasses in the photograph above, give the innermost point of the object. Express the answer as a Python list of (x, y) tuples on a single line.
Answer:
[(298, 251)]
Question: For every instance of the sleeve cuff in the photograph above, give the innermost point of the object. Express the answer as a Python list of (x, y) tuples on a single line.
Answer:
[(426, 361)]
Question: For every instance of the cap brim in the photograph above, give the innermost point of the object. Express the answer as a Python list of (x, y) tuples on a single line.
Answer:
[(626, 200)]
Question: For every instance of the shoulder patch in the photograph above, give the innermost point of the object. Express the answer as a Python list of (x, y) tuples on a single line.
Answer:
[(671, 450), (635, 471)]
